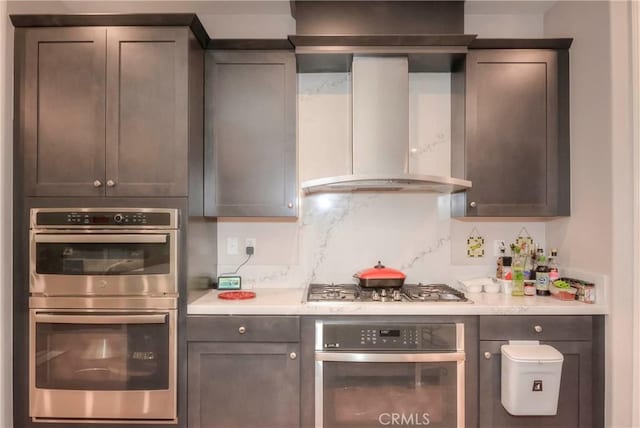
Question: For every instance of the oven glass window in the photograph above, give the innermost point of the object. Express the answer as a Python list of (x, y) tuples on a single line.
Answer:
[(102, 357), (390, 394), (103, 258)]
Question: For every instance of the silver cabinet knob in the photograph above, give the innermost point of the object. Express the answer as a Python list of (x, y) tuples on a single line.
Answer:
[(97, 183), (537, 328), (242, 329), (290, 205), (473, 204), (293, 355), (111, 183), (487, 355)]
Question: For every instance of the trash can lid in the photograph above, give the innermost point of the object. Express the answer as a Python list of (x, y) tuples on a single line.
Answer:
[(532, 353)]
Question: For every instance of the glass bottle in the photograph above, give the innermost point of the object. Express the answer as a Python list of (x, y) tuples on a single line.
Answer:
[(517, 275), (542, 277), (554, 272)]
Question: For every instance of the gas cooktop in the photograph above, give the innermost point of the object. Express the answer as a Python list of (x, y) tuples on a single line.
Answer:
[(407, 293)]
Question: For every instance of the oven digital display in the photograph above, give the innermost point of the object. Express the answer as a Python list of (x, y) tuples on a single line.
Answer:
[(389, 333), (99, 220)]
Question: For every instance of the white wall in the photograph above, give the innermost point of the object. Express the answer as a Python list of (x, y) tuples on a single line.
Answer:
[(6, 412), (222, 19), (620, 323), (509, 19), (597, 235), (503, 25)]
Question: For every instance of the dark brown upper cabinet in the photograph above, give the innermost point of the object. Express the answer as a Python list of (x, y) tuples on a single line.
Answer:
[(61, 99), (514, 105), (250, 134), (108, 111)]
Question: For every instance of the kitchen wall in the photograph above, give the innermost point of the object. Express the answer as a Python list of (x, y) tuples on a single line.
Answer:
[(508, 19), (597, 235), (228, 18), (6, 39)]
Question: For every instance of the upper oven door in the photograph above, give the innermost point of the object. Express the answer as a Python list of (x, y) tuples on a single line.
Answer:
[(83, 262)]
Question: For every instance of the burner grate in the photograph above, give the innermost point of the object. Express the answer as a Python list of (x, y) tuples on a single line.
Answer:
[(408, 293)]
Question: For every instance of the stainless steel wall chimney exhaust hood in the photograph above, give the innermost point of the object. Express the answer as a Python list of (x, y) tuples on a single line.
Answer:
[(380, 141)]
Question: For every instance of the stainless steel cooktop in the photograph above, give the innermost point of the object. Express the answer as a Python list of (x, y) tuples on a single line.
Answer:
[(407, 293)]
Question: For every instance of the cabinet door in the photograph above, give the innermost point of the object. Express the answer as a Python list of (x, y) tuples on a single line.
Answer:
[(147, 112), (243, 385), (517, 141), (250, 134), (62, 92), (575, 408)]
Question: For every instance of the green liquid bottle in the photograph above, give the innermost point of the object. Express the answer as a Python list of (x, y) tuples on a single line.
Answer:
[(517, 276)]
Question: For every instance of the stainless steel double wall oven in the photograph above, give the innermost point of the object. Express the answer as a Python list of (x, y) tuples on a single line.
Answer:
[(103, 317)]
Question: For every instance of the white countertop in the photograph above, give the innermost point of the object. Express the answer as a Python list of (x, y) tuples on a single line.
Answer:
[(289, 301)]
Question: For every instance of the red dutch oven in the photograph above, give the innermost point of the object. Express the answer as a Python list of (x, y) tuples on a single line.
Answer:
[(380, 276)]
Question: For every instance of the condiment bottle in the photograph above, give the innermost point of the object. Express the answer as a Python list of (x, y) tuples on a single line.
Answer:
[(506, 267), (542, 277), (554, 273), (517, 274), (530, 287)]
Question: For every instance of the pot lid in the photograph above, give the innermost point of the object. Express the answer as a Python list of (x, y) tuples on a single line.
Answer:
[(380, 271)]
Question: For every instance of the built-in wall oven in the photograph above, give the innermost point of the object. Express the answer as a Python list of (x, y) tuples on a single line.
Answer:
[(103, 315), (105, 251), (102, 359), (389, 374)]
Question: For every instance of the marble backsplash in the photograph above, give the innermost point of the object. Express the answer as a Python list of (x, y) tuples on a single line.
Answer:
[(337, 234)]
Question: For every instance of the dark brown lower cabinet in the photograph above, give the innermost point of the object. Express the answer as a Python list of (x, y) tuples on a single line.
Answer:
[(580, 339), (575, 404), (243, 372), (243, 385)]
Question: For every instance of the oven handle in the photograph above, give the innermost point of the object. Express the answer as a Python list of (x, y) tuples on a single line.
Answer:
[(357, 357), (102, 238), (100, 319)]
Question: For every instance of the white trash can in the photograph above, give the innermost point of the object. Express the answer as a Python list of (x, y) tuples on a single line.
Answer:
[(530, 378)]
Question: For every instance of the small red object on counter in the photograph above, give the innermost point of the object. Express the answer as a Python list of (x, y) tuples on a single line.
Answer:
[(237, 295)]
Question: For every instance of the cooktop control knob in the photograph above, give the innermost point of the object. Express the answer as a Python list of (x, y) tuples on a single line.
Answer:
[(396, 295), (118, 218), (375, 296), (383, 293)]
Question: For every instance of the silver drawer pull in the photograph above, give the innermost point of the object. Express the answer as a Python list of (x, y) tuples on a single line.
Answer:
[(537, 328), (242, 329), (97, 183), (111, 183), (473, 204), (293, 355), (487, 355)]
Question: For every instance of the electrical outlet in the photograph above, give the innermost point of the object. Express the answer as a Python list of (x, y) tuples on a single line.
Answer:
[(250, 242), (232, 246), (499, 248)]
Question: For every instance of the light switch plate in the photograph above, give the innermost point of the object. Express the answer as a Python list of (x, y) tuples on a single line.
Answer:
[(232, 246)]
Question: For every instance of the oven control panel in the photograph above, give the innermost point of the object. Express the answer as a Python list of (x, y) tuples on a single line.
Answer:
[(380, 337), (113, 218)]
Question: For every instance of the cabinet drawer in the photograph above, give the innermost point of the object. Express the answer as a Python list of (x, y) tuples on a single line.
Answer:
[(243, 329), (535, 327)]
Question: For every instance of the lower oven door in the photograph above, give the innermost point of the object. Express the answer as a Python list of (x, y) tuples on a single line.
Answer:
[(382, 389), (102, 365)]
